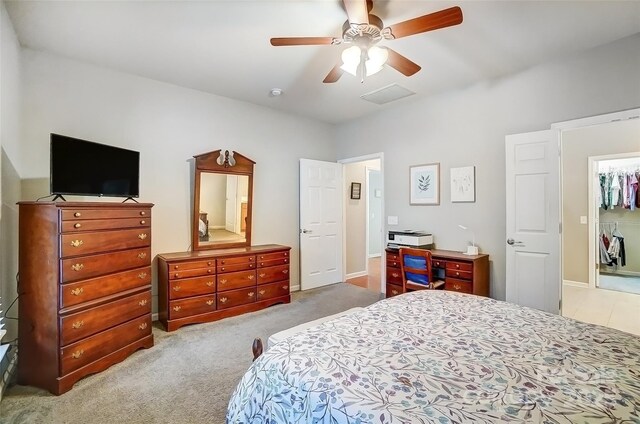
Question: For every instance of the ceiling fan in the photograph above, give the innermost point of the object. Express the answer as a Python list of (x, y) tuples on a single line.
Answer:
[(364, 31)]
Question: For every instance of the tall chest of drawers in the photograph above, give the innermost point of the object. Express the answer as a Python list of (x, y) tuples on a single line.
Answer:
[(203, 286), (85, 289), (460, 272)]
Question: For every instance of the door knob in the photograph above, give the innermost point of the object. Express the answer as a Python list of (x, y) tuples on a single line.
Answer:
[(305, 231), (511, 242)]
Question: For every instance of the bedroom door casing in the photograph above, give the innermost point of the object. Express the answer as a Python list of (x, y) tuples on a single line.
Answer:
[(533, 220), (320, 223)]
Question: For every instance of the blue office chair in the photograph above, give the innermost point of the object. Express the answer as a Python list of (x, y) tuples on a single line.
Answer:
[(416, 270)]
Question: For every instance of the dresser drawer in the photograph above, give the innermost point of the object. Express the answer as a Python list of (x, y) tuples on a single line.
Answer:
[(84, 267), (463, 275), (460, 266), (188, 273), (236, 298), (394, 276), (462, 286), (393, 260), (248, 259), (95, 347), (78, 214), (236, 280), (95, 288), (82, 324), (183, 266), (272, 290), (438, 263), (235, 267), (393, 290), (273, 256), (187, 287), (103, 241), (272, 262), (192, 306), (73, 226), (273, 274)]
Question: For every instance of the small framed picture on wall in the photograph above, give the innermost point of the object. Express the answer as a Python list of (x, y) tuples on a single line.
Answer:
[(425, 184), (355, 191), (463, 184)]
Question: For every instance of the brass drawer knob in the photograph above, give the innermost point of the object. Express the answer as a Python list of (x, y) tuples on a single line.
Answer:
[(286, 253), (250, 258), (143, 326), (223, 281), (209, 263), (78, 225), (175, 267), (286, 261), (262, 292), (142, 222), (77, 214), (177, 308), (261, 263), (457, 273), (285, 271), (176, 288), (261, 257), (209, 302), (76, 243), (143, 213), (395, 264), (222, 262), (209, 271), (250, 265), (142, 236), (77, 292), (77, 354), (457, 265), (143, 302), (142, 275), (251, 294), (262, 275), (223, 300), (176, 275), (142, 255), (251, 277), (222, 269), (77, 324), (285, 287), (77, 267), (210, 283)]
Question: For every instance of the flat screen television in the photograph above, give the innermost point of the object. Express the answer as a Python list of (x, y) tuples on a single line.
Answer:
[(85, 168)]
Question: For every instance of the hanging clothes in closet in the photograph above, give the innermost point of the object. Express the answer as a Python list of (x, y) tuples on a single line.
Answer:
[(612, 251), (619, 189)]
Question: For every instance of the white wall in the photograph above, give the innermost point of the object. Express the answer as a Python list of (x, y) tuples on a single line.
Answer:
[(468, 127), (169, 125), (10, 123)]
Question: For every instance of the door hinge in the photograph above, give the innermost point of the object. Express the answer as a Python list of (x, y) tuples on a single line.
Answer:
[(560, 227), (560, 305)]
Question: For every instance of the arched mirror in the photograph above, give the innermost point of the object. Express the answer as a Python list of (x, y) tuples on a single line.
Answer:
[(223, 191)]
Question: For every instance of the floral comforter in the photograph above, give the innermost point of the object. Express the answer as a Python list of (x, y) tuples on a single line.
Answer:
[(437, 356)]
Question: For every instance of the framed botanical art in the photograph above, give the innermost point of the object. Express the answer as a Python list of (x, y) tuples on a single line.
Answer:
[(463, 184), (425, 184)]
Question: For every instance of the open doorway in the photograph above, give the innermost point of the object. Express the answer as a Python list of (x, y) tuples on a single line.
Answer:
[(363, 247)]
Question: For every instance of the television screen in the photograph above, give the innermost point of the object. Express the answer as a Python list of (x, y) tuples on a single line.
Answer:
[(91, 169)]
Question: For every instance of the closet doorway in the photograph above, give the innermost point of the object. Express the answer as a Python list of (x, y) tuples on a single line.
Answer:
[(615, 264)]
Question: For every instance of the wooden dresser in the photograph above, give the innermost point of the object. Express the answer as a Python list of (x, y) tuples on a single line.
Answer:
[(209, 285), (463, 273), (85, 289)]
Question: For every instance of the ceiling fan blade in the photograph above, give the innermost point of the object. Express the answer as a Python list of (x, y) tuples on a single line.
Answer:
[(303, 41), (401, 63), (357, 11), (436, 20), (333, 75)]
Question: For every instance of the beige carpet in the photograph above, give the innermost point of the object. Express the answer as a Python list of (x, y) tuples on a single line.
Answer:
[(187, 377)]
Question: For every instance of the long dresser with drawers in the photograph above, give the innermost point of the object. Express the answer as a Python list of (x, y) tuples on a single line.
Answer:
[(460, 272), (84, 289), (208, 285)]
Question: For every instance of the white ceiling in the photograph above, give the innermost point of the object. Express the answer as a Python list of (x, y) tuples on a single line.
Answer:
[(222, 47)]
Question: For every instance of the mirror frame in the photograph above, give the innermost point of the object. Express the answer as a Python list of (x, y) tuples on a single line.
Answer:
[(208, 163)]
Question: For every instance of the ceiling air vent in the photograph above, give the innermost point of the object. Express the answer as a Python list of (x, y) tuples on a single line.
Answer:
[(387, 94)]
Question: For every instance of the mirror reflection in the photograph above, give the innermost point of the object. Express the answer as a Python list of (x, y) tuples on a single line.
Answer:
[(223, 208)]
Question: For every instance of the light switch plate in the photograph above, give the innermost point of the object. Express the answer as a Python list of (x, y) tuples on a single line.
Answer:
[(583, 220), (392, 220)]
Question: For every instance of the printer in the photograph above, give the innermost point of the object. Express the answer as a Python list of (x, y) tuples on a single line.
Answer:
[(409, 238)]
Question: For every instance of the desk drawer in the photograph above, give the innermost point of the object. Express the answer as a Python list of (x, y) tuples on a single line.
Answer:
[(460, 266), (394, 276), (77, 214), (273, 274), (84, 267), (393, 290), (104, 241), (78, 326), (192, 306), (187, 287), (463, 275), (236, 298), (438, 263), (104, 224), (462, 286), (236, 280), (393, 260)]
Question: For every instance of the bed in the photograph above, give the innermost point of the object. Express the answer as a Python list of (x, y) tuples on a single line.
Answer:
[(439, 356)]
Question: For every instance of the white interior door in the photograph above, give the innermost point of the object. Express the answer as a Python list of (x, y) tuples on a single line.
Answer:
[(320, 223), (533, 223)]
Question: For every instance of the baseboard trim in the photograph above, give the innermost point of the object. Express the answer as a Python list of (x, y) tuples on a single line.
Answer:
[(355, 275), (375, 255), (605, 271), (575, 283), (155, 317), (294, 288)]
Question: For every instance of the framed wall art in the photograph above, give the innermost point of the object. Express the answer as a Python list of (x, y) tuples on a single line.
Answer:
[(355, 191), (463, 184), (425, 184)]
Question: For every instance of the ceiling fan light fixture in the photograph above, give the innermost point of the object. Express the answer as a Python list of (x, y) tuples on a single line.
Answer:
[(351, 57)]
